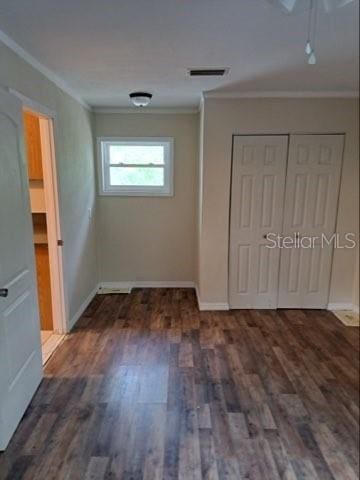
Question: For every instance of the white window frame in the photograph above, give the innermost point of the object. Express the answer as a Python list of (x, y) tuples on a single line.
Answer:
[(166, 190)]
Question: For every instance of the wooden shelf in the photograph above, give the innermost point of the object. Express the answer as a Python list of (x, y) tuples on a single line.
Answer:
[(40, 238), (37, 196), (40, 230)]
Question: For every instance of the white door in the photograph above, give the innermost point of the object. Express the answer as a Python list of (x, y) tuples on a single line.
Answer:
[(312, 189), (257, 199), (20, 350)]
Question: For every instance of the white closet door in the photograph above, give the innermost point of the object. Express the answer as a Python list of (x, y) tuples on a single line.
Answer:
[(312, 188), (257, 198)]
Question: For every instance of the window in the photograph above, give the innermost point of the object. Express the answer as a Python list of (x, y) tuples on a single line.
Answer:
[(136, 166)]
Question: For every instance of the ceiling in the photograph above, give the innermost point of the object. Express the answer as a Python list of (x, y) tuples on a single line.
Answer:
[(104, 50)]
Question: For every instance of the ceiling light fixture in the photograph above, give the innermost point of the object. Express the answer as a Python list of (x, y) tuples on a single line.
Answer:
[(294, 6), (311, 33), (140, 99)]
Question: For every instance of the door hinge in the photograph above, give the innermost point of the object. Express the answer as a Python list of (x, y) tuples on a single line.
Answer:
[(60, 243)]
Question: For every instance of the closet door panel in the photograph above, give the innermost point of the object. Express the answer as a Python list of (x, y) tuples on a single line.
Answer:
[(257, 195), (311, 197)]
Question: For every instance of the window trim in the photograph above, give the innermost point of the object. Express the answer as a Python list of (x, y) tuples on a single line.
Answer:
[(167, 190)]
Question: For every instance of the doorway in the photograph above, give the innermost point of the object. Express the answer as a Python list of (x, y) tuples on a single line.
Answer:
[(41, 166)]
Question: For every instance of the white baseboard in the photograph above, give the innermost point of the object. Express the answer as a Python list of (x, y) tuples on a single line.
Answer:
[(82, 308), (169, 284), (213, 306), (340, 306), (209, 306), (126, 287)]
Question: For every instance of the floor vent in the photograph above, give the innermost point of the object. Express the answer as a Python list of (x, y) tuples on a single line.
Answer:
[(110, 290)]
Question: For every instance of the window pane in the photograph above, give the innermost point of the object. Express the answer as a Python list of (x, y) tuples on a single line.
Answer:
[(136, 176), (133, 154)]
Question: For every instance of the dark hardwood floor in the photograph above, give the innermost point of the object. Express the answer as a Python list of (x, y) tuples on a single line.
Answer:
[(148, 387)]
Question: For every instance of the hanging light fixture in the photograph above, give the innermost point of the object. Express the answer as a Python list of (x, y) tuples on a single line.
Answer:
[(308, 48), (312, 58), (294, 6), (311, 33), (140, 99)]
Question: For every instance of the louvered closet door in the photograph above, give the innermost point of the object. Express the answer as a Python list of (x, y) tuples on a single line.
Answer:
[(312, 188), (257, 199)]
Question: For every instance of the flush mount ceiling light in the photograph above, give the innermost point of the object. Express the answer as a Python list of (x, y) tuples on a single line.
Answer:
[(294, 6), (140, 99)]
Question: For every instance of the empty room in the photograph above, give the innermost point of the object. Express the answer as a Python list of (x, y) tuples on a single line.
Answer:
[(179, 240)]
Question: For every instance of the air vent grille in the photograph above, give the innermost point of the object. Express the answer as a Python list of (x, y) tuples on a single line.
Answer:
[(208, 72)]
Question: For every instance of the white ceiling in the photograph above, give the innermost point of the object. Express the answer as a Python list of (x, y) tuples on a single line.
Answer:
[(105, 49)]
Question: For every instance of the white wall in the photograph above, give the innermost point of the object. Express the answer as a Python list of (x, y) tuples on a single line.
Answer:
[(151, 238), (225, 117), (75, 166)]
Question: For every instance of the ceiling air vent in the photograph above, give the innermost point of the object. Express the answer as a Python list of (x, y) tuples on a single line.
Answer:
[(208, 72)]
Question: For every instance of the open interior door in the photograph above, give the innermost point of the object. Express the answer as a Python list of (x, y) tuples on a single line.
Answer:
[(20, 347)]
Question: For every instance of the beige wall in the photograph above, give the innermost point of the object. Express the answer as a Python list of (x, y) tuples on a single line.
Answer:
[(184, 237), (151, 238), (74, 155), (225, 117)]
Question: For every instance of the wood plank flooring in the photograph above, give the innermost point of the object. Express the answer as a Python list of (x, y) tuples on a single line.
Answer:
[(147, 387)]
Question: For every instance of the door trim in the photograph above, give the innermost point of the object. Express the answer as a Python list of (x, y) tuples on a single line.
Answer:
[(53, 225), (51, 187), (33, 105)]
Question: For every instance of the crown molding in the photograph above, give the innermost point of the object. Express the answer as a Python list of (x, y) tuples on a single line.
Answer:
[(50, 75), (283, 94), (146, 110)]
